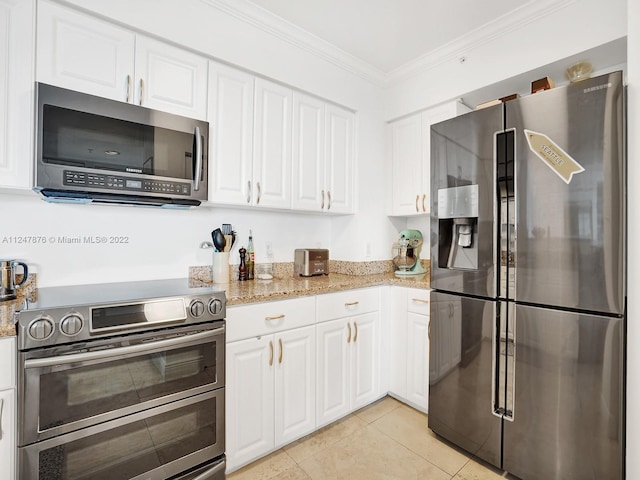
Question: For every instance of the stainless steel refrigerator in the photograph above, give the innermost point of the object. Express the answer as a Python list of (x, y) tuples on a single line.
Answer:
[(528, 270)]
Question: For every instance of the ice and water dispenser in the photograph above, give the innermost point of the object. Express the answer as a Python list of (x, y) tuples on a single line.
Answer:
[(458, 227)]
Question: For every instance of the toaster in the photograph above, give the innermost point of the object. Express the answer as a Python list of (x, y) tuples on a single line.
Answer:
[(311, 261)]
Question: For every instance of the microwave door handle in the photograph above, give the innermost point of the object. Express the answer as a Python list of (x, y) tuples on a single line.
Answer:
[(197, 143), (117, 352)]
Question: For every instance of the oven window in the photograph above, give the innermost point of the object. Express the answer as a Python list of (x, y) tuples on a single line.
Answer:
[(138, 447), (84, 391), (80, 139)]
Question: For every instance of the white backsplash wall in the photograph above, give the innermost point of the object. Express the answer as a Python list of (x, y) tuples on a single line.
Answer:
[(60, 241)]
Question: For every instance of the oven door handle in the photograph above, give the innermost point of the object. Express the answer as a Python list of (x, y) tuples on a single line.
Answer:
[(208, 474), (149, 347)]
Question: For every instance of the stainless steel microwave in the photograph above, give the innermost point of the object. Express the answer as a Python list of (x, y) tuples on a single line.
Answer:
[(96, 150)]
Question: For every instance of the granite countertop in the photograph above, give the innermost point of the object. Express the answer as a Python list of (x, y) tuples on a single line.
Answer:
[(252, 291), (343, 276)]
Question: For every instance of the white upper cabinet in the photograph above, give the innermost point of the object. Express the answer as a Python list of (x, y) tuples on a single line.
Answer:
[(231, 136), (339, 160), (83, 53), (169, 78), (271, 183), (16, 92), (411, 158), (322, 156), (308, 152)]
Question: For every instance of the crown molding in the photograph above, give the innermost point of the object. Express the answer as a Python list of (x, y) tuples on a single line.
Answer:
[(286, 31), (500, 26), (268, 22)]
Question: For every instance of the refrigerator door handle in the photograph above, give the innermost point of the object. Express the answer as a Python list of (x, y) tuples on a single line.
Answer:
[(504, 361)]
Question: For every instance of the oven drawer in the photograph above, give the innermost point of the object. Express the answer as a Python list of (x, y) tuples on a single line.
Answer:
[(152, 445), (71, 388)]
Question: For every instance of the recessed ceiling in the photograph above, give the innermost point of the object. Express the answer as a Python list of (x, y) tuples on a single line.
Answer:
[(388, 34)]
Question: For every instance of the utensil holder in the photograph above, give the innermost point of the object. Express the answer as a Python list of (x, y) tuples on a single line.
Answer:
[(220, 267)]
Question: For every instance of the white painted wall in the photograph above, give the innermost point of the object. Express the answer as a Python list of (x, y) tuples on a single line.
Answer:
[(571, 27), (633, 261)]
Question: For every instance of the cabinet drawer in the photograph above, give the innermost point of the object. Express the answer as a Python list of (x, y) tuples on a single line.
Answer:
[(245, 321), (347, 303), (7, 362), (418, 301)]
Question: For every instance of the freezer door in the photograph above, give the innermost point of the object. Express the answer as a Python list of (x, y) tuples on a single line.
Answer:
[(570, 246), (463, 203), (461, 380), (567, 414)]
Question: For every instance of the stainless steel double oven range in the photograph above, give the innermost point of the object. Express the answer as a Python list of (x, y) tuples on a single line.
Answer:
[(122, 381)]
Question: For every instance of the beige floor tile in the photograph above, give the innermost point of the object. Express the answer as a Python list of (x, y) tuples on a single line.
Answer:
[(376, 410), (409, 427), (270, 467), (478, 470), (323, 438), (368, 454)]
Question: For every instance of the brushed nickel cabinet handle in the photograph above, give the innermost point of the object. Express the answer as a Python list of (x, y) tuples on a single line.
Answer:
[(349, 337), (275, 317), (322, 204), (417, 199), (351, 304), (128, 88), (259, 193), (424, 198), (329, 197), (419, 300), (249, 191), (355, 337), (1, 405), (141, 90), (270, 353), (280, 358)]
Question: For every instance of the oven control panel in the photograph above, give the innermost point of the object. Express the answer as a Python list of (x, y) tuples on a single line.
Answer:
[(46, 327)]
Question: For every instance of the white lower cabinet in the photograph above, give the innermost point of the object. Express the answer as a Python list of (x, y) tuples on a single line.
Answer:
[(410, 347), (7, 408), (270, 378), (348, 363)]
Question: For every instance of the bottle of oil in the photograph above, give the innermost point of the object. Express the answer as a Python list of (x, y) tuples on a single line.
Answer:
[(250, 258)]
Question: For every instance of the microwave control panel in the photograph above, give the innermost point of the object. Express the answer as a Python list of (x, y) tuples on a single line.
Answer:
[(114, 182)]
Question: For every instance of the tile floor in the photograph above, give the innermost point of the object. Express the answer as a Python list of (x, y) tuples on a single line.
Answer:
[(386, 440)]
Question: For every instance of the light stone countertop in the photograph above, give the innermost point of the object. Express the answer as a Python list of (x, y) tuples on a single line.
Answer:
[(343, 276), (252, 291)]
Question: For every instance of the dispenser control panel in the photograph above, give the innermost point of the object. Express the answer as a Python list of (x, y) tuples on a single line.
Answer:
[(458, 202)]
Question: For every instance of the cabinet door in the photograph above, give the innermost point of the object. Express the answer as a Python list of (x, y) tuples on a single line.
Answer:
[(339, 160), (406, 139), (418, 359), (82, 53), (7, 433), (271, 185), (16, 92), (295, 384), (398, 337), (333, 371), (249, 402), (308, 153), (169, 78), (231, 137), (364, 359)]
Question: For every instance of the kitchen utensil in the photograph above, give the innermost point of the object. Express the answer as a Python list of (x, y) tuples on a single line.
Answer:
[(218, 240), (8, 282), (406, 253), (226, 228)]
